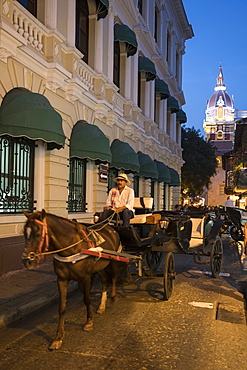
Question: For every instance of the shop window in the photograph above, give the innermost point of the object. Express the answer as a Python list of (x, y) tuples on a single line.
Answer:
[(77, 185), (82, 28), (136, 185), (30, 5), (113, 172), (17, 174)]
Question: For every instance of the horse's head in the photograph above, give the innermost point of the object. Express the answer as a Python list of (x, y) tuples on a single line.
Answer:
[(35, 231)]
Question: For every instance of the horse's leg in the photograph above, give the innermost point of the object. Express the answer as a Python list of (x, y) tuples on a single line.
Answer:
[(104, 281), (63, 288), (114, 269), (86, 283)]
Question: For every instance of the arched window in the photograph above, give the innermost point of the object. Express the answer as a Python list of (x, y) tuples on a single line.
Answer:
[(82, 28)]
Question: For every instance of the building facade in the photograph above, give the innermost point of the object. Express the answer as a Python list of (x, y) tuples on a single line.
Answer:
[(219, 127), (89, 88)]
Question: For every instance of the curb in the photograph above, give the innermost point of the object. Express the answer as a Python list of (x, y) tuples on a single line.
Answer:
[(21, 307)]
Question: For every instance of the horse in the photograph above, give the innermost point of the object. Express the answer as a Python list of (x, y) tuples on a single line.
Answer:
[(46, 233)]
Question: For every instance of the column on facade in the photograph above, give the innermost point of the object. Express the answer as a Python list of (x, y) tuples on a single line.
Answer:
[(146, 107), (173, 53), (164, 119), (89, 185), (51, 14), (134, 79), (109, 46), (127, 78), (151, 99), (173, 126), (161, 115), (39, 174), (179, 134), (71, 22), (98, 44), (167, 197)]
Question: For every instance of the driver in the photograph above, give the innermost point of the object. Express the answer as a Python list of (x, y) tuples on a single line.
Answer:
[(120, 200)]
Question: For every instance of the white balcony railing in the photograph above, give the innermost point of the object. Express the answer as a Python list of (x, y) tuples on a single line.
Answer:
[(29, 27)]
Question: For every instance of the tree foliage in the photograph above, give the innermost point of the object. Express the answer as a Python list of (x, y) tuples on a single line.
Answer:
[(200, 162)]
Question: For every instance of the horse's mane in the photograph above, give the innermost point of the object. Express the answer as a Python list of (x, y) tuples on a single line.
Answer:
[(37, 215)]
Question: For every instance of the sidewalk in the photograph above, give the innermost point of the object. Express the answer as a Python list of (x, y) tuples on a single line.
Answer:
[(24, 291)]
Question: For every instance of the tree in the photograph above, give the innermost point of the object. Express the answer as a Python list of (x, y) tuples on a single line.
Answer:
[(200, 162)]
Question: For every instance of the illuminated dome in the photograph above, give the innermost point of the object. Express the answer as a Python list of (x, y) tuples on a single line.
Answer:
[(220, 97)]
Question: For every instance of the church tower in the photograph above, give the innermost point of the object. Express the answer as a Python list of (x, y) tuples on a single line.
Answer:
[(219, 127)]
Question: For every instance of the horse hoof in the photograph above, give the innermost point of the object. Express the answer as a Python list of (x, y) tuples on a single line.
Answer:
[(88, 326), (55, 345), (100, 310)]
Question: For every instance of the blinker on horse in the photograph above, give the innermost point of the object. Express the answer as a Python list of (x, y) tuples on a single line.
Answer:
[(46, 233)]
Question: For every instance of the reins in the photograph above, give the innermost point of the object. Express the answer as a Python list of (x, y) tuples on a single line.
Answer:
[(45, 238)]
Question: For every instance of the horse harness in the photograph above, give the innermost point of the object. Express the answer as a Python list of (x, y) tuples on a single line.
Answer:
[(44, 245)]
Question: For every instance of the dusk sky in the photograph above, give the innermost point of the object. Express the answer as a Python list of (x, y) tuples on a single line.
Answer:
[(220, 29)]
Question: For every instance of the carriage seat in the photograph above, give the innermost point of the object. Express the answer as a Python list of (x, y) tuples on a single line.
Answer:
[(143, 205), (140, 219), (197, 228)]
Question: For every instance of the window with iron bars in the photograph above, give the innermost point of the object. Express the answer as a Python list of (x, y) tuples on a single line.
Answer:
[(17, 174), (77, 185)]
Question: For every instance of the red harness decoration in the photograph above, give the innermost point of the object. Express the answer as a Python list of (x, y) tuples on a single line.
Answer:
[(88, 240), (44, 237)]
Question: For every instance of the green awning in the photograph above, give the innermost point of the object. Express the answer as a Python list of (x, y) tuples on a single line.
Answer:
[(124, 34), (102, 8), (175, 180), (172, 104), (147, 66), (24, 113), (181, 116), (162, 88), (148, 167), (164, 172), (88, 141), (124, 156)]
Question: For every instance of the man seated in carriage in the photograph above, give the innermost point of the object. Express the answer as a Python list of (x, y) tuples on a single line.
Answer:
[(120, 200)]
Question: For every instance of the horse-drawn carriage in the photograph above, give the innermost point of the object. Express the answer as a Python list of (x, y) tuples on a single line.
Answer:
[(71, 242), (170, 232)]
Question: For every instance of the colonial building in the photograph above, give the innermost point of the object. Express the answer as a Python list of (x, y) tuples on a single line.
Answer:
[(89, 88), (219, 127)]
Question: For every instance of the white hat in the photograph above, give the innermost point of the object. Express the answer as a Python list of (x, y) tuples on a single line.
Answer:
[(124, 177)]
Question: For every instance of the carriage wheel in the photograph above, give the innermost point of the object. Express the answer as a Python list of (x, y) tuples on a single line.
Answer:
[(236, 233), (169, 275), (216, 255), (154, 259)]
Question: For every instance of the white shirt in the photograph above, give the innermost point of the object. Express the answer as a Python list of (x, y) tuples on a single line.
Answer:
[(125, 199), (229, 203)]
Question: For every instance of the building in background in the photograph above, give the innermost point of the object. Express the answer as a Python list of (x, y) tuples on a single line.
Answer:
[(219, 127), (88, 88)]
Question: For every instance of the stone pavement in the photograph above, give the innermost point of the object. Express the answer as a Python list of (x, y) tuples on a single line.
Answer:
[(25, 291)]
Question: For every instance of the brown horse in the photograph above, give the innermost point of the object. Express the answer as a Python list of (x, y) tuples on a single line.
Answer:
[(46, 233)]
